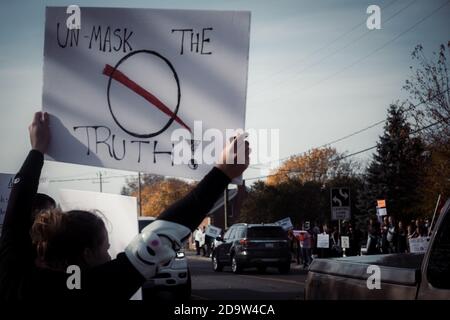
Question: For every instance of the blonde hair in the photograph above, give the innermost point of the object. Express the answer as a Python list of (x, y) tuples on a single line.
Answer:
[(60, 238)]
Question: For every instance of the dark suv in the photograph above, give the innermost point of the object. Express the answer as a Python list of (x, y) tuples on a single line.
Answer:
[(253, 245)]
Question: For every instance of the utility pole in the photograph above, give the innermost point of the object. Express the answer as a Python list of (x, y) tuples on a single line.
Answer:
[(100, 177), (225, 208), (140, 194), (434, 214)]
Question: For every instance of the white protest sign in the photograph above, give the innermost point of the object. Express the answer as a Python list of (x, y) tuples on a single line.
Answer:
[(119, 87), (381, 212), (285, 223), (419, 245), (120, 214), (345, 241), (5, 189), (212, 231), (323, 241)]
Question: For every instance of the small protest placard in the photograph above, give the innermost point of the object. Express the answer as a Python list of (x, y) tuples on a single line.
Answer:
[(345, 242), (323, 241), (285, 223), (419, 245), (213, 231)]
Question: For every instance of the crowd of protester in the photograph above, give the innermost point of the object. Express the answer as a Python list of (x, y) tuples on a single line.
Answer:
[(380, 236)]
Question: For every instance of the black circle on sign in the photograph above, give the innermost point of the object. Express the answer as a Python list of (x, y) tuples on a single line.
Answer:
[(175, 112)]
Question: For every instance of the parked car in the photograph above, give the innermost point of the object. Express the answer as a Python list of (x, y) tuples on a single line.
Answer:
[(405, 276), (173, 281), (252, 245)]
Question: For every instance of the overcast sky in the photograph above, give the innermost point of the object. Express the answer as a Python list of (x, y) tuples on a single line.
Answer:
[(315, 71)]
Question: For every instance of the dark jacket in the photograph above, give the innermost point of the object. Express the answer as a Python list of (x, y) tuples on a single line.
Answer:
[(116, 279)]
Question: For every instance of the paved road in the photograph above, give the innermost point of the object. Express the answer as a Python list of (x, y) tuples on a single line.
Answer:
[(251, 285)]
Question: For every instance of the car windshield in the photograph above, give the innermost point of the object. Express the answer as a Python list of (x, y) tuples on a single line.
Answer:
[(266, 233)]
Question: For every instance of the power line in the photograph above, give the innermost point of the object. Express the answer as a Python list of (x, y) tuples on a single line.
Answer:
[(93, 178), (348, 155), (410, 108), (370, 54), (361, 59), (70, 176), (334, 160), (328, 44), (341, 48)]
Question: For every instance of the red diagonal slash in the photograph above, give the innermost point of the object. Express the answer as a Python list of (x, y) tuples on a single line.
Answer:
[(130, 84)]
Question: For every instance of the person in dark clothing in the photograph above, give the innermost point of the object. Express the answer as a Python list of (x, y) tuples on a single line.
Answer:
[(383, 235), (402, 239), (34, 260), (354, 241), (42, 202), (392, 235), (335, 243), (197, 237), (373, 239), (208, 240)]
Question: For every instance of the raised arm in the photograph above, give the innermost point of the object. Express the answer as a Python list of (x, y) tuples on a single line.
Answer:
[(192, 209), (157, 243), (18, 220)]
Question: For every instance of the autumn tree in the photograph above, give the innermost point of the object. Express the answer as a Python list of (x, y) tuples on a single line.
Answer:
[(429, 90), (300, 201), (157, 192), (318, 165), (300, 188)]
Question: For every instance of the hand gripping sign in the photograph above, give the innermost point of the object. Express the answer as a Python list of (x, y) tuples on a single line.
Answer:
[(122, 84)]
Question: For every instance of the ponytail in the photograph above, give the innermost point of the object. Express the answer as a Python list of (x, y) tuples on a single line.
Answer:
[(61, 238), (47, 227)]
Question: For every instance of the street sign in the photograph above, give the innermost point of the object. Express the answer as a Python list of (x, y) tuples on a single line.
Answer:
[(340, 204), (345, 241)]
